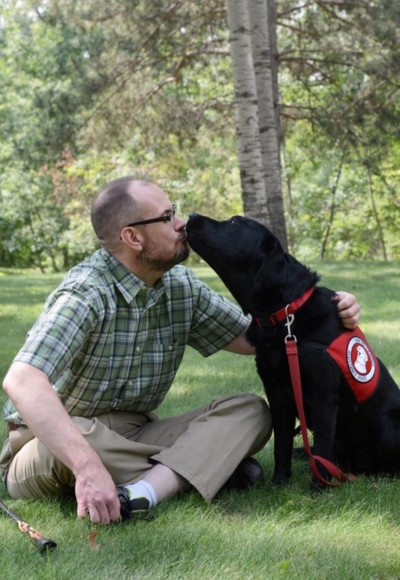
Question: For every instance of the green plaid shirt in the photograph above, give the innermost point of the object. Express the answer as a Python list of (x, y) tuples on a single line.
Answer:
[(108, 342)]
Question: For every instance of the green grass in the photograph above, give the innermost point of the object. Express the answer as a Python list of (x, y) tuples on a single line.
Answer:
[(345, 533)]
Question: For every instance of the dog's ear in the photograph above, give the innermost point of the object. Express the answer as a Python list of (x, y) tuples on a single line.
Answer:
[(273, 269), (271, 274), (270, 245), (281, 276)]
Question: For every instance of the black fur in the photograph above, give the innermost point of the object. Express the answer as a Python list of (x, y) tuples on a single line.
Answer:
[(363, 438)]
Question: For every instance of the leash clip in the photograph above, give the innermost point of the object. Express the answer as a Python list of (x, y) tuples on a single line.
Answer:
[(288, 324)]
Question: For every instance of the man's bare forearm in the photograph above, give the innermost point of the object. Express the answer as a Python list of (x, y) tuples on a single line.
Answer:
[(42, 411)]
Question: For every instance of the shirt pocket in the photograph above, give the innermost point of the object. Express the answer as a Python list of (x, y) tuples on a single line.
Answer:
[(161, 360)]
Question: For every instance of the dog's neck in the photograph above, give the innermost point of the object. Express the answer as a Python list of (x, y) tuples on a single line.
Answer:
[(283, 313)]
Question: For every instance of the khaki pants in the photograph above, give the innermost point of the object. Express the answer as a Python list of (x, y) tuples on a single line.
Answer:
[(204, 446)]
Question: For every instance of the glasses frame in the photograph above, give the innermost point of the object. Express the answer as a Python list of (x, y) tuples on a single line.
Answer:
[(167, 218)]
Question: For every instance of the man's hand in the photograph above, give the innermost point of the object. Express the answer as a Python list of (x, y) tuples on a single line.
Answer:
[(348, 309), (96, 496)]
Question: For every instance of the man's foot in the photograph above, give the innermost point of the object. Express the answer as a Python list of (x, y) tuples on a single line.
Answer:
[(248, 473), (130, 508)]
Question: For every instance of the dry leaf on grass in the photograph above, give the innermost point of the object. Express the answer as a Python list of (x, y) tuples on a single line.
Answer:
[(94, 545)]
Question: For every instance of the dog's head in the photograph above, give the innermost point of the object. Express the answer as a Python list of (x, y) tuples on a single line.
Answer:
[(250, 261)]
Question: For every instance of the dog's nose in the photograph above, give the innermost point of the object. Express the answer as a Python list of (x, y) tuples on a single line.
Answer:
[(194, 217)]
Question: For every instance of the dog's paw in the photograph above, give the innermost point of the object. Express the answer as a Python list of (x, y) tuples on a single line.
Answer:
[(281, 478)]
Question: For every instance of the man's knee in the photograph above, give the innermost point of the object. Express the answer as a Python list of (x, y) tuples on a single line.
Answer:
[(261, 416), (250, 409), (248, 403), (36, 473)]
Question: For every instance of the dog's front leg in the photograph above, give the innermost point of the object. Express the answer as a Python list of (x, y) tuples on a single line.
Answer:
[(324, 423), (284, 418)]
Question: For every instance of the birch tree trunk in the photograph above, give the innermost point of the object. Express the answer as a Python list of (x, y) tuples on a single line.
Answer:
[(267, 111), (255, 81), (250, 158)]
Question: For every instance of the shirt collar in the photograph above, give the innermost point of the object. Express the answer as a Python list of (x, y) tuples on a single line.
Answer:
[(127, 283)]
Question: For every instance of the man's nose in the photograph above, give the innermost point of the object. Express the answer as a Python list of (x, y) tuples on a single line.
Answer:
[(179, 223)]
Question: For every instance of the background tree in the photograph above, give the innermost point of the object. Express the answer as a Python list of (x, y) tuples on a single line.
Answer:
[(258, 132), (93, 90), (341, 102)]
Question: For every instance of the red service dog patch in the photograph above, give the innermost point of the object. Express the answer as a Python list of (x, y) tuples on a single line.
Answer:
[(356, 359)]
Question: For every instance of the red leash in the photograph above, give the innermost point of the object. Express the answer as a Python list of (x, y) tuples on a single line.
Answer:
[(294, 367)]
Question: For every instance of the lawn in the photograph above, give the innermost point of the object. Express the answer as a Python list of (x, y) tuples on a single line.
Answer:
[(345, 533)]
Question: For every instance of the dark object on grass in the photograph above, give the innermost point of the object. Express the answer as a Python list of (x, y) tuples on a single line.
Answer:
[(247, 474), (43, 545)]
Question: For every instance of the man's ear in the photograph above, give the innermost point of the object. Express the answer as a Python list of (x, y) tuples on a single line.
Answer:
[(130, 237)]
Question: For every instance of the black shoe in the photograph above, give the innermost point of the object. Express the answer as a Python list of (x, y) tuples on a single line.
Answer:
[(248, 473), (130, 508)]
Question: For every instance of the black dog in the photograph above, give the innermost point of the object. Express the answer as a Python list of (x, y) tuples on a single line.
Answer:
[(359, 430)]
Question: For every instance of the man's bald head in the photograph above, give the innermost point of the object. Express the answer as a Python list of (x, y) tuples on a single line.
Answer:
[(114, 206)]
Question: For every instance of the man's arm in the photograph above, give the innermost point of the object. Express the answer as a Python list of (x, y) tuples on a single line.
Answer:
[(39, 405), (241, 345), (348, 310)]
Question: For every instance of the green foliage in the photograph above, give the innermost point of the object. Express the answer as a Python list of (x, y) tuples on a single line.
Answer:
[(340, 79), (91, 91), (99, 90), (337, 205), (47, 72)]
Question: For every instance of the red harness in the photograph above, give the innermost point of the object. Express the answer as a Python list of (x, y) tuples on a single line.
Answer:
[(352, 353)]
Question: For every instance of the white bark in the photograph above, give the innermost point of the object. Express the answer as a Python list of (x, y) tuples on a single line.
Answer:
[(269, 131), (257, 127), (250, 157)]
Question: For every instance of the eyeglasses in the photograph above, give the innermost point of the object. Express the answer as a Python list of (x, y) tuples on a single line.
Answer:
[(168, 217)]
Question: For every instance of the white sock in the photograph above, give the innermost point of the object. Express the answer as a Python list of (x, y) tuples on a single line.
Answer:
[(143, 489)]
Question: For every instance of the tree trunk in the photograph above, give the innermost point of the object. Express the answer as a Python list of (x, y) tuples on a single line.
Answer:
[(250, 158), (256, 114), (267, 113), (332, 210), (376, 216)]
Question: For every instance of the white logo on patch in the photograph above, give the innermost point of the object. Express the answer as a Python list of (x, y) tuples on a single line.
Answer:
[(360, 360)]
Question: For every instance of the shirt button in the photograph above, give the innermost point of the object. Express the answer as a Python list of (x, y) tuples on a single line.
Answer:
[(138, 349), (170, 347)]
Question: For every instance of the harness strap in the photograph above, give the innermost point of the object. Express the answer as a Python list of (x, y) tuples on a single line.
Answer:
[(336, 472)]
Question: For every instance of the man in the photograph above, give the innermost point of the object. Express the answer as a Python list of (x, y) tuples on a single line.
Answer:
[(103, 355)]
